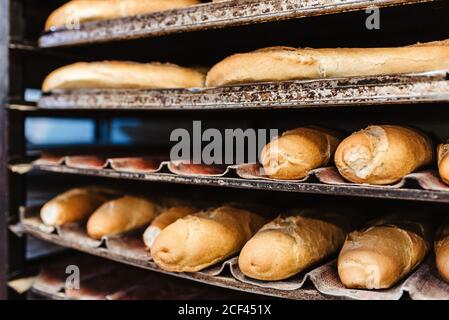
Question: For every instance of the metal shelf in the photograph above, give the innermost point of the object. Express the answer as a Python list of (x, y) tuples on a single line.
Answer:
[(283, 186), (206, 16)]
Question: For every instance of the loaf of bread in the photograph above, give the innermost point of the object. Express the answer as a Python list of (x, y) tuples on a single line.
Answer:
[(382, 154), (197, 241), (298, 151), (442, 251), (122, 75), (79, 11), (291, 244), (164, 219), (443, 161), (74, 205), (121, 215), (381, 255), (285, 63)]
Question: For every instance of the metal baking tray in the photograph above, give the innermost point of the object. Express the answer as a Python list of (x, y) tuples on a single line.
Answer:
[(206, 16), (271, 185), (429, 87), (220, 281)]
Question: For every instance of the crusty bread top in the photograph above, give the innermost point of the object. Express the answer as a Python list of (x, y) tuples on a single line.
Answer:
[(286, 63), (79, 11), (122, 75)]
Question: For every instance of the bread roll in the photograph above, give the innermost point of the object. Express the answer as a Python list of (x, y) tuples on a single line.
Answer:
[(298, 151), (285, 63), (164, 219), (382, 154), (443, 161), (73, 205), (384, 253), (80, 11), (197, 241), (121, 215), (122, 75), (289, 245), (442, 251)]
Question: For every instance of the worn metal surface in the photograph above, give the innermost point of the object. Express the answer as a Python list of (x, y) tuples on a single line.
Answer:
[(285, 186), (206, 16), (397, 89), (220, 281)]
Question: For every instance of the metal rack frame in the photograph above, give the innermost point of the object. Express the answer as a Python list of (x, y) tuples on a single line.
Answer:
[(12, 186)]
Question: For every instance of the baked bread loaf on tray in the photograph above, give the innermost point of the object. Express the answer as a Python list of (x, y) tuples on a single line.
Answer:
[(442, 251), (74, 205), (382, 154), (163, 220), (121, 215), (385, 252), (79, 11), (297, 151), (443, 161), (291, 244), (286, 63), (200, 240), (122, 75)]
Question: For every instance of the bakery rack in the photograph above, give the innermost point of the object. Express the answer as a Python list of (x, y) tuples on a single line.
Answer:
[(210, 28)]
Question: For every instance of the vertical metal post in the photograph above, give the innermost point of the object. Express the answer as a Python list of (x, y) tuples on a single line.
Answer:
[(4, 191)]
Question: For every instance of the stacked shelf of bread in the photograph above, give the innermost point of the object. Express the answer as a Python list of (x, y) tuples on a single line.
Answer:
[(315, 253)]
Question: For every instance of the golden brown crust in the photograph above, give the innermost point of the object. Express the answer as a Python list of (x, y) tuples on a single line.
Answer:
[(164, 219), (295, 243), (121, 215), (443, 161), (382, 154), (298, 151), (284, 63), (73, 205), (80, 11), (197, 241), (442, 252), (380, 256), (122, 75)]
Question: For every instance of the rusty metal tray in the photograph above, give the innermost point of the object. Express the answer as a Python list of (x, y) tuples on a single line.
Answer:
[(430, 87), (206, 16), (408, 193)]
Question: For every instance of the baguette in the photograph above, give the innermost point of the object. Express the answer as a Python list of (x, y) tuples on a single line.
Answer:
[(122, 75), (73, 205), (443, 161), (289, 245), (80, 11), (197, 241), (382, 154), (285, 63), (121, 215), (298, 151), (164, 219), (442, 252), (384, 253)]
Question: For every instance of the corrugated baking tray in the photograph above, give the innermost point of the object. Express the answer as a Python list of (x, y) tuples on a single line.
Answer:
[(430, 87), (423, 283), (206, 16), (409, 193)]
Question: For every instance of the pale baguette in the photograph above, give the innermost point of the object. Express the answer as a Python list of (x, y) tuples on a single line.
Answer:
[(286, 63), (79, 11), (382, 154), (122, 75), (163, 220), (197, 241), (121, 215), (297, 151), (73, 205)]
